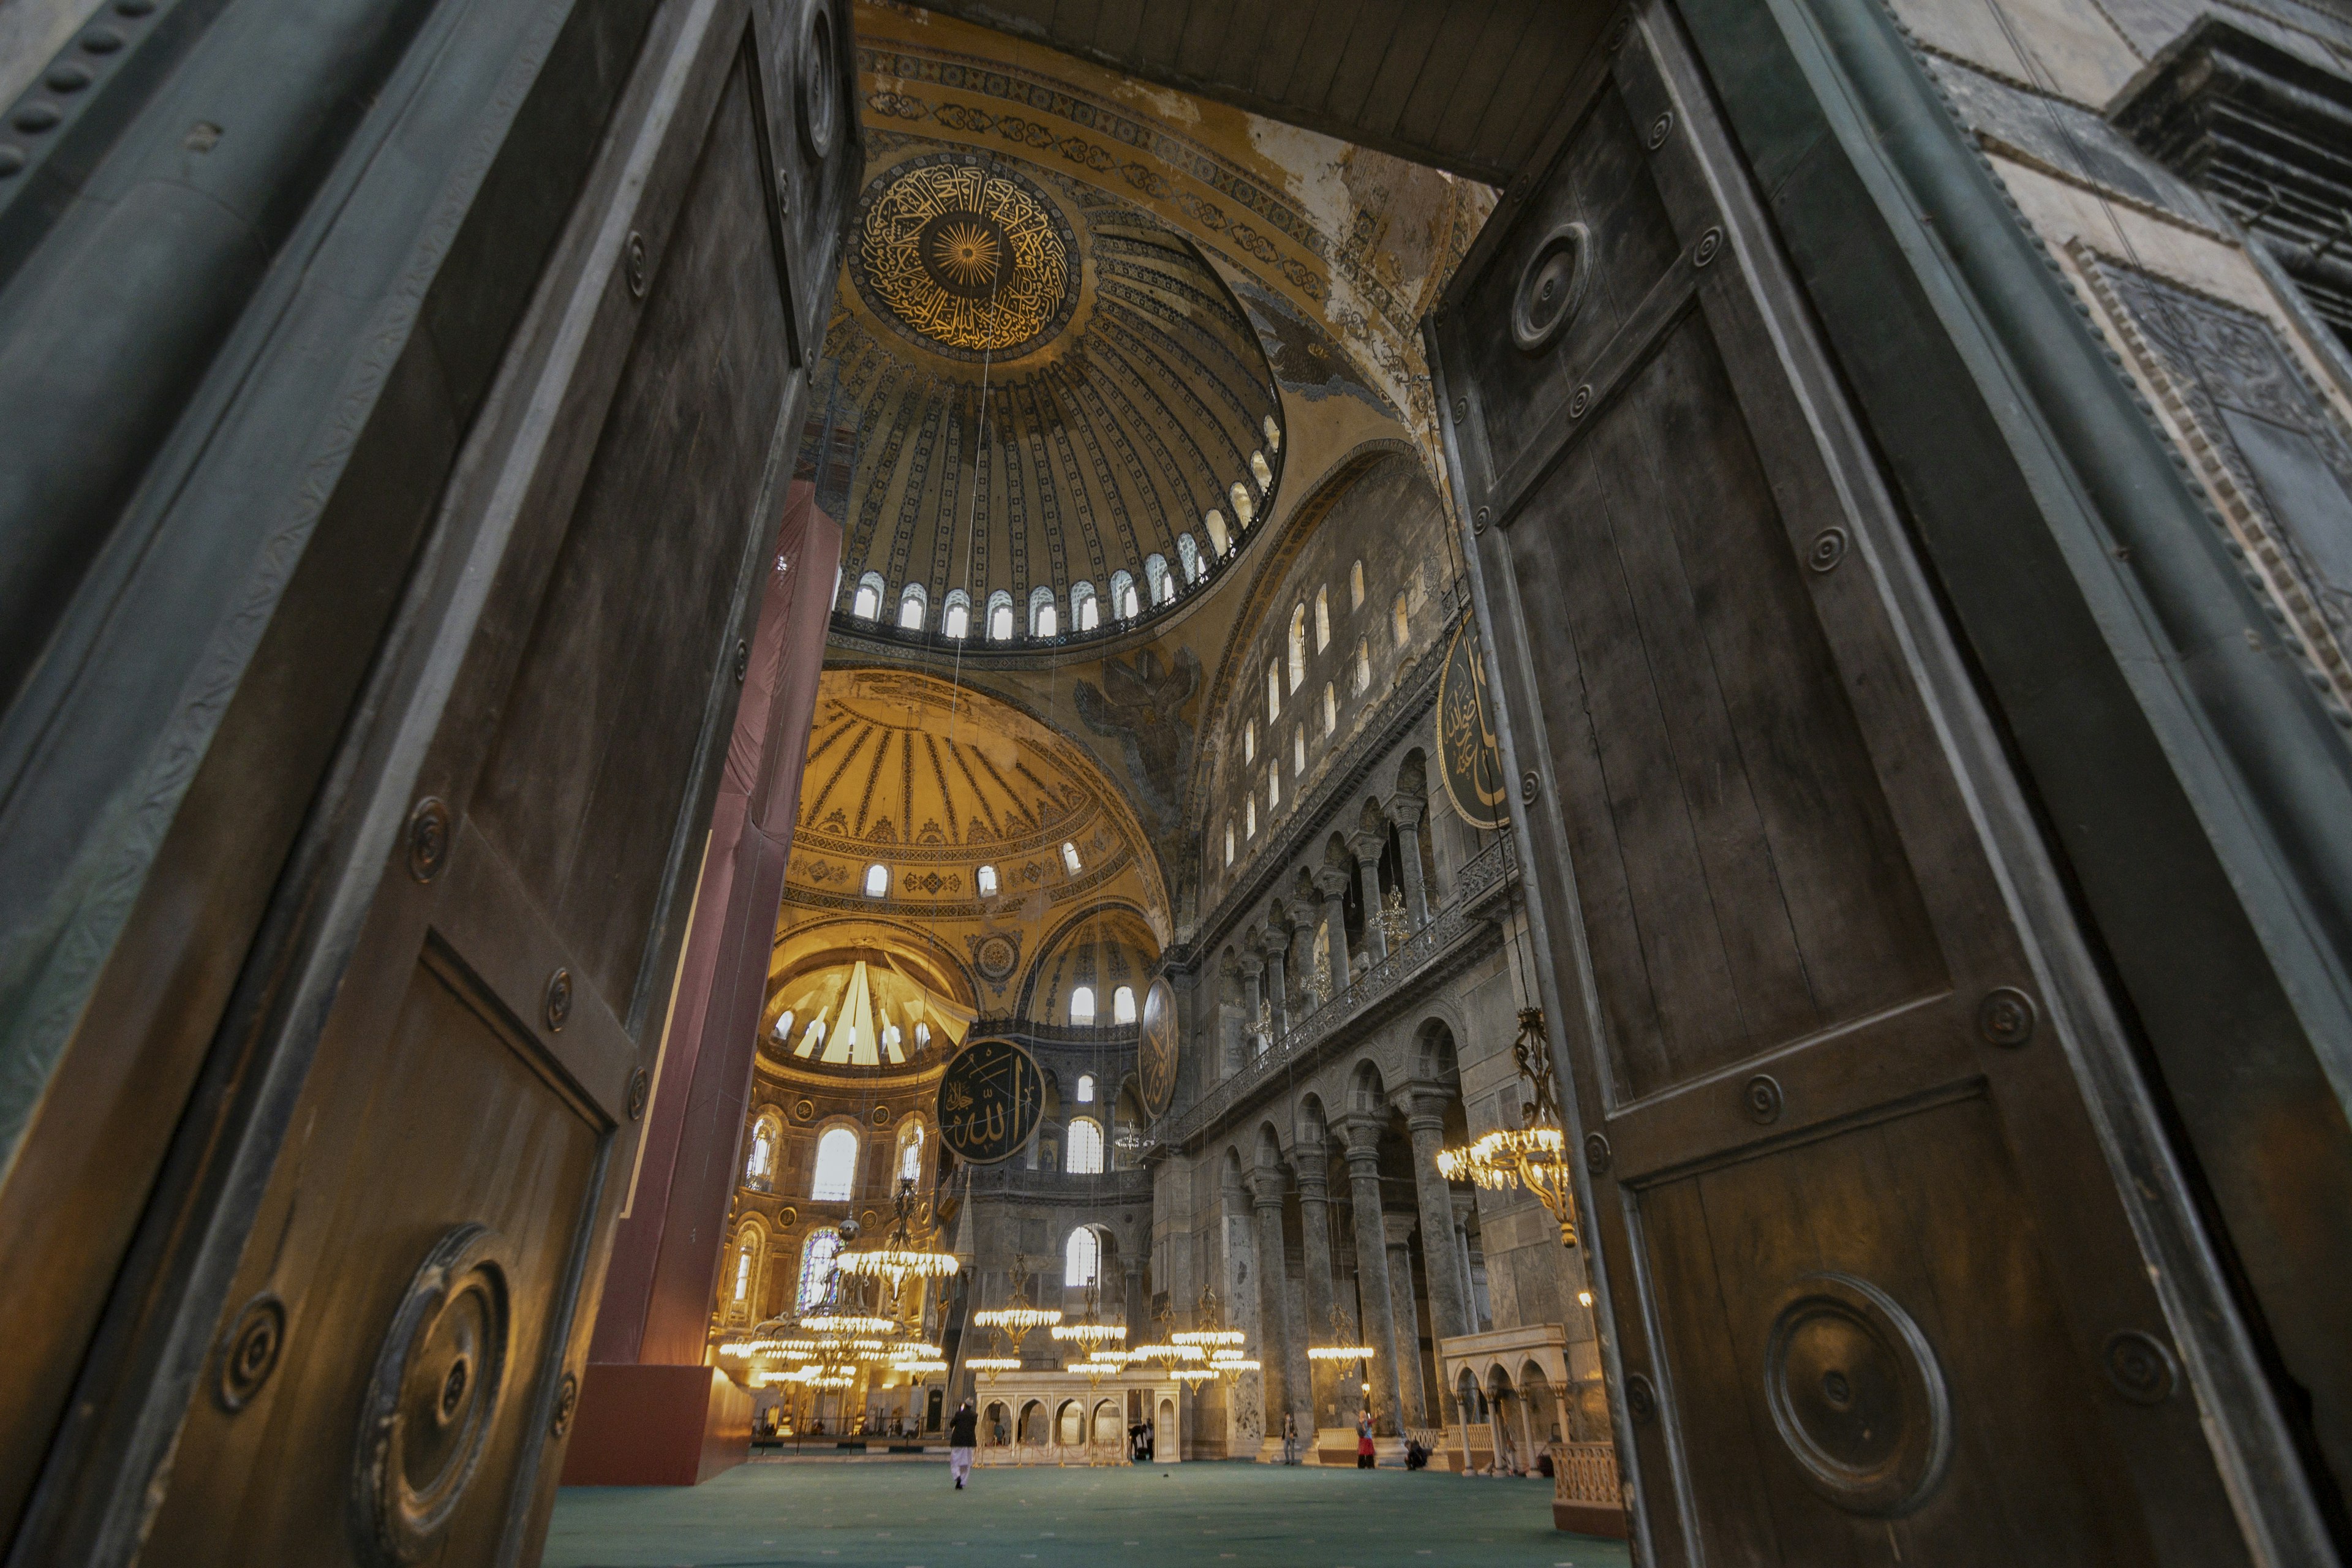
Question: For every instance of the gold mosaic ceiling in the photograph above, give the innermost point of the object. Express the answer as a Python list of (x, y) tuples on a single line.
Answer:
[(1029, 384)]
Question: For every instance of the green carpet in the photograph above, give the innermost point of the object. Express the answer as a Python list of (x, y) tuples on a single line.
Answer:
[(906, 1515)]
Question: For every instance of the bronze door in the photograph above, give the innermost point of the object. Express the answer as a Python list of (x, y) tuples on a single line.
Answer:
[(1855, 1117), (394, 1227)]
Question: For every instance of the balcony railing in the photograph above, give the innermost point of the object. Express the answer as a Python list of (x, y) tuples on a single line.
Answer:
[(1382, 984), (1062, 1186)]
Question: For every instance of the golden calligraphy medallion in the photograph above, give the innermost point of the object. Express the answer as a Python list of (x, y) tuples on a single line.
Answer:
[(973, 258)]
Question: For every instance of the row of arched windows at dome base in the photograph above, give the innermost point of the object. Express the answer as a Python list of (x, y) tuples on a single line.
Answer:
[(984, 877)]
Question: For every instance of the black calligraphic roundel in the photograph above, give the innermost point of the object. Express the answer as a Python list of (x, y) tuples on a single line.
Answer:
[(990, 1101), (1155, 1049), (1470, 756)]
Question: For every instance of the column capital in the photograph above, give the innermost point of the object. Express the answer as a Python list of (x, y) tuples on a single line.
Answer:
[(1365, 844), (1424, 1102), (1399, 1226), (1272, 942), (1331, 881), (1404, 809), (1265, 1190), (1362, 1130), (1249, 965), (1465, 1205)]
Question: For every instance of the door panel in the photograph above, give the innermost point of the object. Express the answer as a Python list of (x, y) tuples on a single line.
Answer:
[(457, 1002), (1873, 1286)]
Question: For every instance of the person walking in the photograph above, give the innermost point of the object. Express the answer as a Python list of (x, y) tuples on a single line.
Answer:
[(963, 1433), (1364, 1449), (1289, 1438)]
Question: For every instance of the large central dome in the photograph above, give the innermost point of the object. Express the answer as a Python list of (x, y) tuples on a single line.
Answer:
[(1046, 418)]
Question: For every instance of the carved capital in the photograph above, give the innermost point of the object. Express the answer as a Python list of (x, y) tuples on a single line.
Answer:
[(1424, 1105), (1274, 941), (1331, 881), (1362, 1132), (1404, 810), (1398, 1228), (1367, 845)]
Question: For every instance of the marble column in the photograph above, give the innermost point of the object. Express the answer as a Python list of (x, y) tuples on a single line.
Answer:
[(1138, 1305), (1315, 1232), (1274, 943), (1449, 1285), (1280, 1326), (1251, 969), (1333, 883), (1413, 1409), (1376, 1296), (1465, 1205), (1366, 847), (1404, 811)]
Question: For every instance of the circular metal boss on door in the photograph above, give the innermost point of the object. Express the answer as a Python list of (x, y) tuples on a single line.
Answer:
[(2140, 1367), (2005, 1018), (1596, 1154), (1530, 786), (641, 1088), (1551, 286), (1660, 129), (1762, 1099), (1641, 1399), (567, 1402), (428, 839), (428, 1411), (632, 264), (1708, 243), (1829, 548), (1579, 401), (820, 83), (1857, 1396), (557, 1006), (250, 1350), (1480, 519)]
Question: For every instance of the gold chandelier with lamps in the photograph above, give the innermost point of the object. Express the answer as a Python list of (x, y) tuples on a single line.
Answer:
[(1017, 1317), (899, 1256), (1090, 1334), (1534, 1154), (1209, 1331), (1342, 1346)]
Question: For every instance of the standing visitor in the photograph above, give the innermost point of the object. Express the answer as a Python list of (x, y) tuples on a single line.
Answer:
[(1289, 1438), (962, 1433), (1364, 1449)]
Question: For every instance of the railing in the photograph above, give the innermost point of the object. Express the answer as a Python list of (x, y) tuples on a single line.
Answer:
[(1056, 1034), (1460, 918), (1109, 1186), (1586, 1473)]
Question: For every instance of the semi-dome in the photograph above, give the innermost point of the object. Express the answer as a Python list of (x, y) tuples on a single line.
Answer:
[(1049, 418)]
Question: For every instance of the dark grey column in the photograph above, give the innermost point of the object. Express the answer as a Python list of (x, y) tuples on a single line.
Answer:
[(1405, 812), (1373, 1289), (1250, 969), (1315, 1231), (1274, 943), (1333, 883), (1284, 1353), (1414, 1407), (1441, 1251), (1366, 847)]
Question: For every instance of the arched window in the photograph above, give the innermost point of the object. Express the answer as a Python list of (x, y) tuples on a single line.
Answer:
[(1081, 1257), (1272, 691), (1273, 434), (1157, 584), (911, 1149), (985, 878), (1331, 710), (1082, 1004), (1187, 556), (1363, 667), (1086, 1148), (866, 603), (1261, 471), (912, 604), (957, 622), (1122, 597), (818, 1274), (783, 1029), (1229, 841), (837, 1167), (1249, 742), (1403, 624), (1298, 751), (740, 1302), (1249, 818), (1214, 522), (1356, 586), (877, 880), (759, 1165), (1297, 644), (1322, 618), (1000, 617), (1272, 787), (1122, 1005), (1045, 620), (1086, 1083), (1086, 612), (811, 1037), (1069, 857), (1244, 504)]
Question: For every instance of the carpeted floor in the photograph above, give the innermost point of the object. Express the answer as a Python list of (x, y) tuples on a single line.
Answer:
[(848, 1514)]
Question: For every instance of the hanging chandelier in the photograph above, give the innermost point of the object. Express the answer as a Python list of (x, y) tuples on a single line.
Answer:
[(897, 1257), (1017, 1317), (1090, 1334), (1341, 1346), (1533, 1156), (1208, 1330)]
